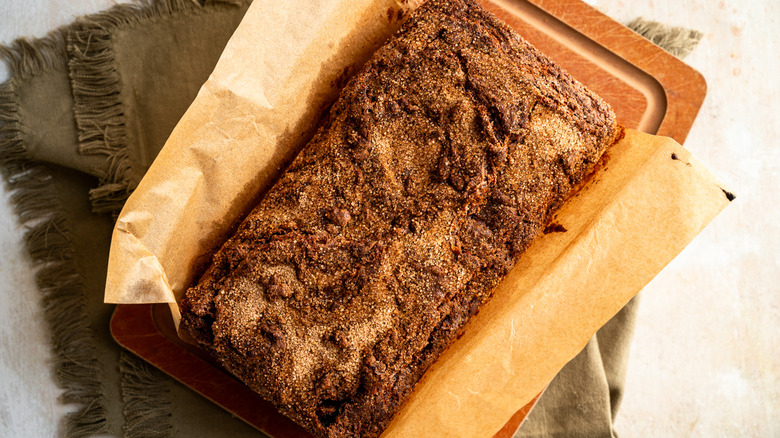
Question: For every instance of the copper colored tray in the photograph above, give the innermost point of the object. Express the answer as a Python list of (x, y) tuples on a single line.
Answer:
[(649, 90)]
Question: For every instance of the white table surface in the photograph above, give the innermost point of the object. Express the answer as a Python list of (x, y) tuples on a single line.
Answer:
[(706, 355)]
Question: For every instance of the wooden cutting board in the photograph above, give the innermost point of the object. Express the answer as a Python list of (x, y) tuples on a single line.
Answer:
[(649, 89)]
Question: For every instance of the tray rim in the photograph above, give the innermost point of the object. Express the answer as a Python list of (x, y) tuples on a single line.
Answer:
[(684, 86)]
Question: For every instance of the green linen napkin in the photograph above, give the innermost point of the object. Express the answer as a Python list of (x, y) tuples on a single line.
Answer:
[(85, 112), (83, 115)]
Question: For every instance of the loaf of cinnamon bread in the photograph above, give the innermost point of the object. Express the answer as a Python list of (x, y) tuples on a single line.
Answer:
[(442, 160)]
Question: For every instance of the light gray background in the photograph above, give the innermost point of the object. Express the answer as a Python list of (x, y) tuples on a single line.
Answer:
[(705, 359)]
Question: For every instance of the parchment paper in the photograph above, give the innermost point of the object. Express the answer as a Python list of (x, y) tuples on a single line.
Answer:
[(282, 67)]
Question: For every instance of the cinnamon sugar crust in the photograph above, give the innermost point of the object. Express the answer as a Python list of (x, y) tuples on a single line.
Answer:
[(442, 160)]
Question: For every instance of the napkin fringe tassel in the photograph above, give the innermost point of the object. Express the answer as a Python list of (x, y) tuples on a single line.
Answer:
[(146, 407), (48, 242), (678, 41), (101, 117)]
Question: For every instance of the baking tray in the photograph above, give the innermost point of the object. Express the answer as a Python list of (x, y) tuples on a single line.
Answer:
[(649, 89)]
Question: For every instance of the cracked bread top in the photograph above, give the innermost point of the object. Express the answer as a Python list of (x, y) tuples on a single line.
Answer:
[(441, 161)]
